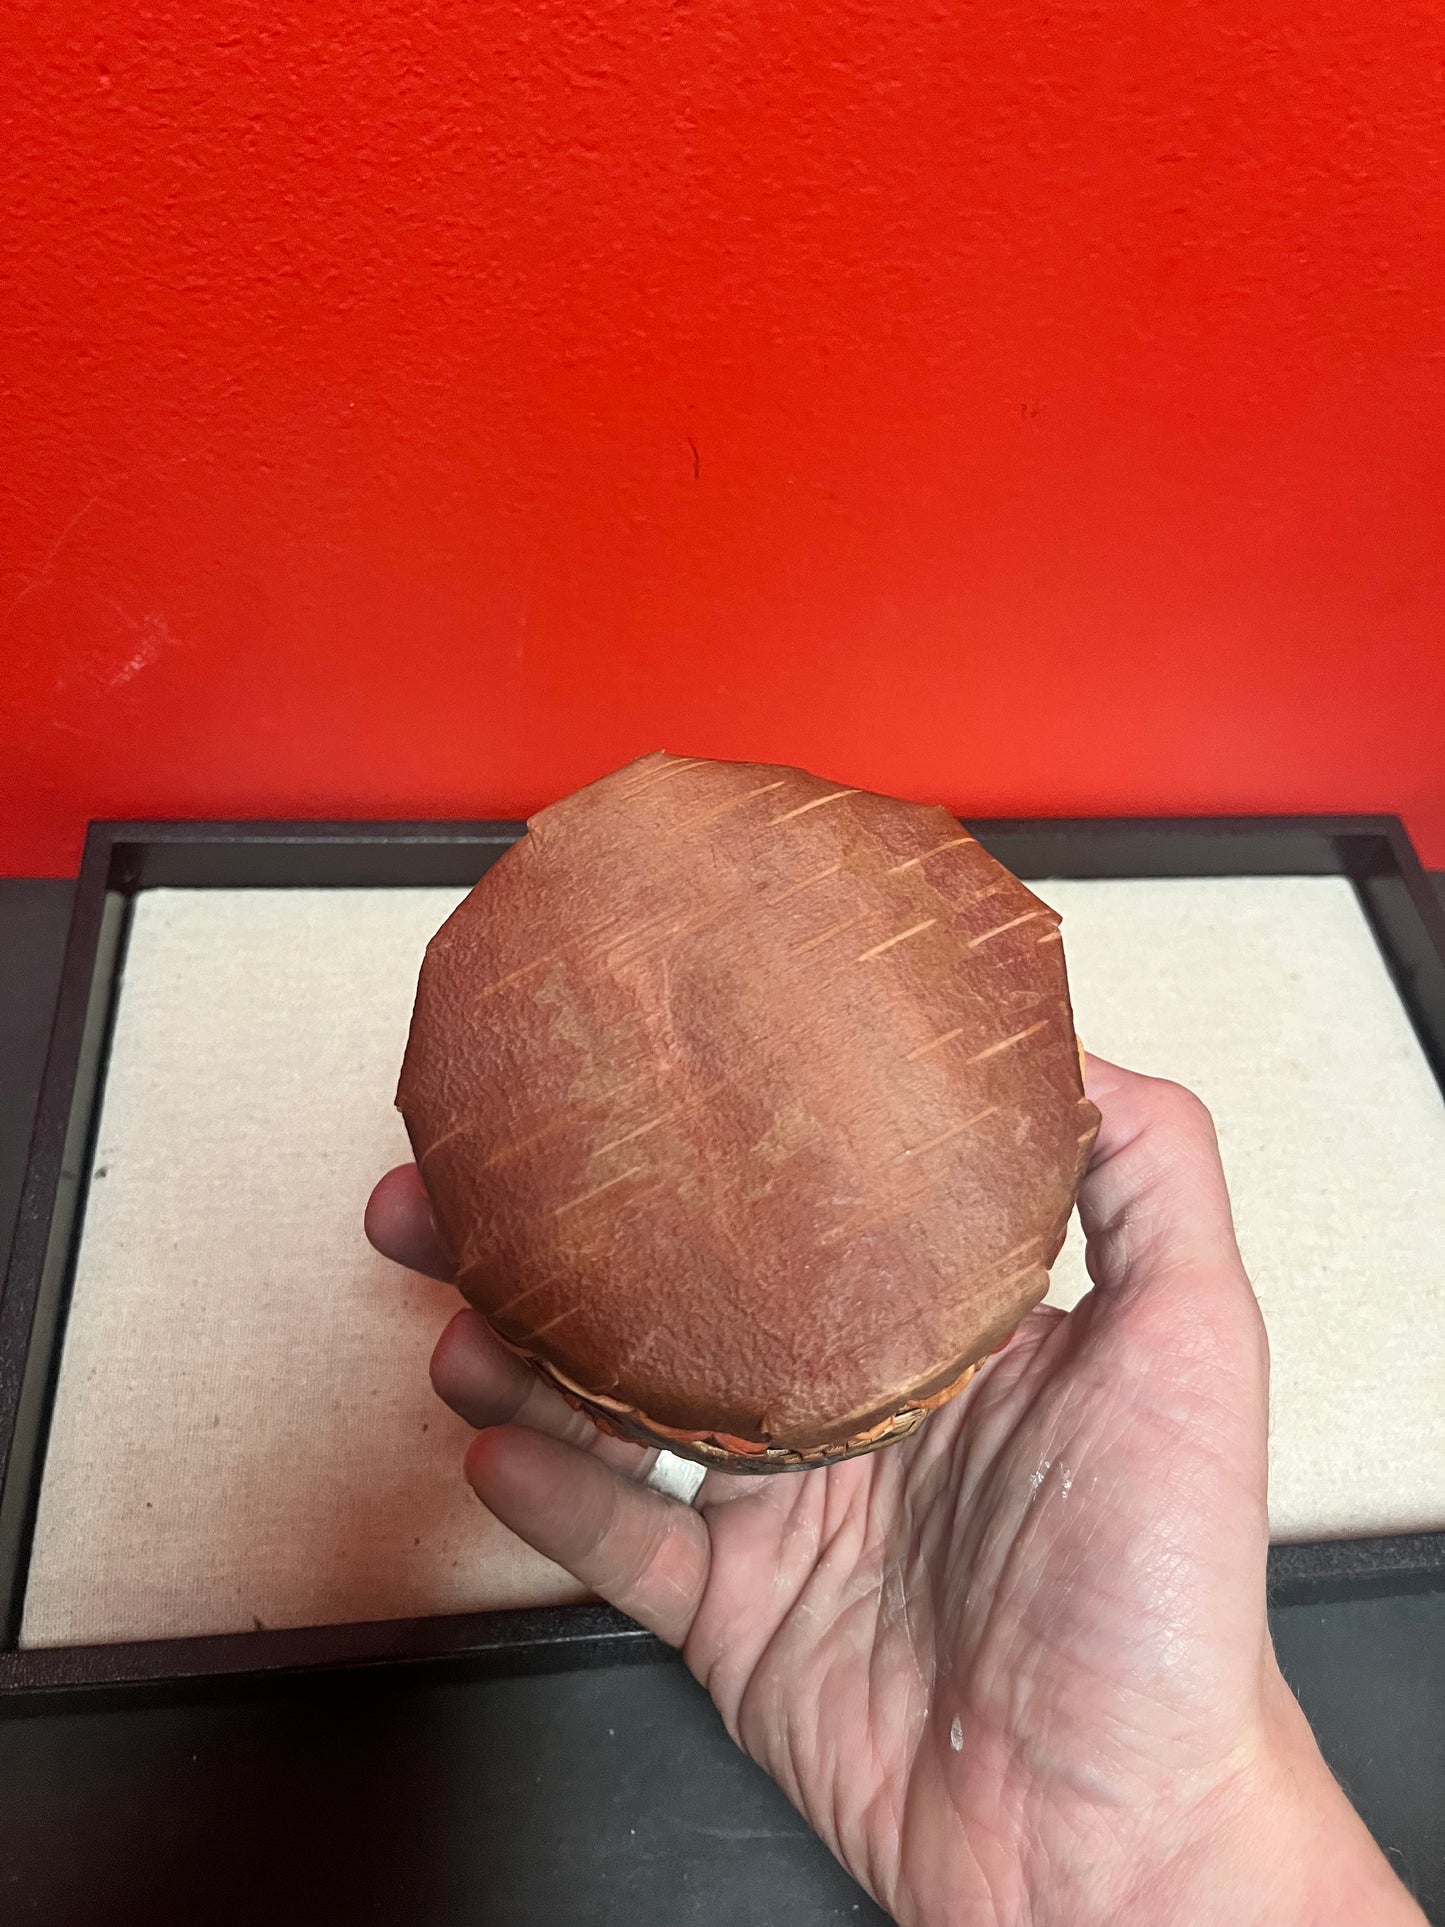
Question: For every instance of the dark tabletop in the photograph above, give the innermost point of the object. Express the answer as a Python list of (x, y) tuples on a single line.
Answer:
[(611, 1798)]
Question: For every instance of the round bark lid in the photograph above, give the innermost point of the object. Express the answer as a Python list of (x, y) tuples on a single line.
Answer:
[(749, 1105)]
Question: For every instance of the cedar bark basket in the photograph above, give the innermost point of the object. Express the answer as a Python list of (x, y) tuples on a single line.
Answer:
[(749, 1106)]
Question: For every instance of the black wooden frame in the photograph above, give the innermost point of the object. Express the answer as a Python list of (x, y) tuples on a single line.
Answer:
[(122, 859)]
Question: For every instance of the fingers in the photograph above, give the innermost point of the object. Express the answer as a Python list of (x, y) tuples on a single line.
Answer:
[(643, 1553), (486, 1384), (471, 1371), (1154, 1198), (400, 1224), (547, 1473)]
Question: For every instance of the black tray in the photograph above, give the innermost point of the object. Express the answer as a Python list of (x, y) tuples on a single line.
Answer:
[(122, 859)]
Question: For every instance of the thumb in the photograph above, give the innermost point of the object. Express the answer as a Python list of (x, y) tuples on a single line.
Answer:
[(1154, 1204), (1173, 1321)]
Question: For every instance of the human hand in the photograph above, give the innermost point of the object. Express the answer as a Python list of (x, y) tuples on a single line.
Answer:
[(1016, 1668)]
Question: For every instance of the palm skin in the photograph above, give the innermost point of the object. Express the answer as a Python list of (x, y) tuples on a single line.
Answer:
[(1016, 1667)]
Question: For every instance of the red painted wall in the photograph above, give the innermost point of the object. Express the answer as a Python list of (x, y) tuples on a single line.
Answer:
[(420, 407)]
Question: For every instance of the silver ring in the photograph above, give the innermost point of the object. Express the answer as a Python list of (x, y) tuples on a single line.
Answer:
[(676, 1477)]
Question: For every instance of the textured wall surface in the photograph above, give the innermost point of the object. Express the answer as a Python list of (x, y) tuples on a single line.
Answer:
[(421, 407)]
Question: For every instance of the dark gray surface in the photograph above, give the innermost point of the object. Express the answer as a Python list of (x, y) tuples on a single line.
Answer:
[(1370, 1674), (599, 1797), (34, 914), (610, 1799)]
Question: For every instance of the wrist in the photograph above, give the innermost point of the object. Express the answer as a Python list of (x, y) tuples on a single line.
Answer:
[(1277, 1842)]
